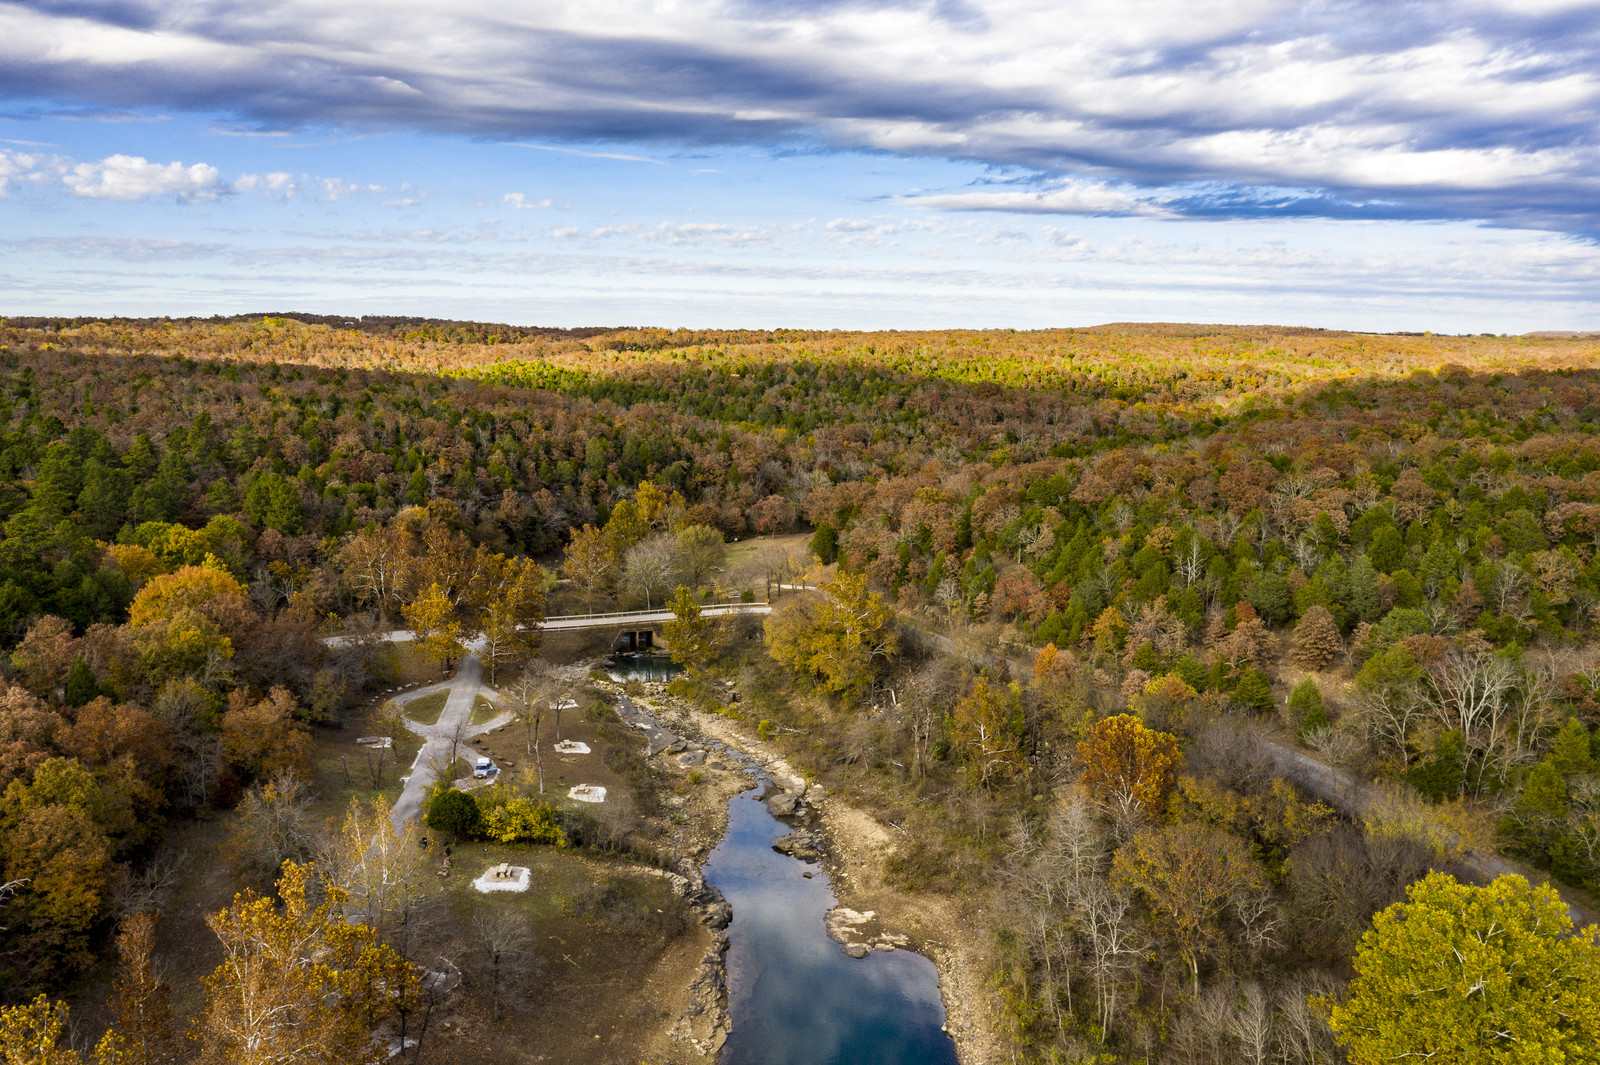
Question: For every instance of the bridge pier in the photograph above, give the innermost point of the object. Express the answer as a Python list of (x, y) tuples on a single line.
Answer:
[(632, 641)]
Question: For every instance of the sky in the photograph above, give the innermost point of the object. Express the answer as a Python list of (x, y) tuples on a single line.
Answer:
[(807, 163)]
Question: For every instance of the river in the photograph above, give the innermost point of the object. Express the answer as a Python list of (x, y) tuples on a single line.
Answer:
[(794, 997)]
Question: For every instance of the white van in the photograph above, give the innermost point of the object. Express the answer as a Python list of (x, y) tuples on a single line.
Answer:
[(483, 767)]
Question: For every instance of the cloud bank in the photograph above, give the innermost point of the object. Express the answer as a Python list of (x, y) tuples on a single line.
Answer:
[(135, 179), (1474, 110)]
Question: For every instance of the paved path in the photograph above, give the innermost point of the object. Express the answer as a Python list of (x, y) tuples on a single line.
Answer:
[(464, 689)]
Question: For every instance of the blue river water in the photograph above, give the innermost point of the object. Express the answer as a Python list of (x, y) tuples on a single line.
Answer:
[(623, 668), (794, 997)]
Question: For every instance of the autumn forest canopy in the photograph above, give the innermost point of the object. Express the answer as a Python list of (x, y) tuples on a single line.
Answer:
[(1075, 604)]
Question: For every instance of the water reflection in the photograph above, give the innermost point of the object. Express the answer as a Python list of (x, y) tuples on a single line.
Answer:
[(623, 668), (794, 997)]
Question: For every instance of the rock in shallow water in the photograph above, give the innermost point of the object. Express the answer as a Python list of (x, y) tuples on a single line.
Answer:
[(803, 845)]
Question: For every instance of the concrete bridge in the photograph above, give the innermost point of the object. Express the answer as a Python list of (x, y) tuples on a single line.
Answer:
[(633, 621)]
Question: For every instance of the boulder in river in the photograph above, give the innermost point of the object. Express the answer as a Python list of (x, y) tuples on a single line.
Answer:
[(783, 803), (803, 845)]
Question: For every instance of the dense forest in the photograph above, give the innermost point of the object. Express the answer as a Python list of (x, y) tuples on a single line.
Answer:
[(1381, 553)]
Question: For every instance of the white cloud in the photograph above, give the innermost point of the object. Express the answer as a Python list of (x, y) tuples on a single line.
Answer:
[(129, 178), (322, 189), (278, 182), (1070, 197), (674, 233), (521, 202), (18, 166)]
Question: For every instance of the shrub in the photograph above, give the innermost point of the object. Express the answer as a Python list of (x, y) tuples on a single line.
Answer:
[(455, 812), (523, 820)]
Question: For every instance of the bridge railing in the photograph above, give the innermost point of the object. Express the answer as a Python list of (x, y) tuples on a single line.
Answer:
[(637, 613)]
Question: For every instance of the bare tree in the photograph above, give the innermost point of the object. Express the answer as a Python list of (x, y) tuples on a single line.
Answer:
[(1475, 696), (1104, 918), (500, 934), (1390, 713), (650, 570), (1252, 1026), (529, 698), (1507, 591), (7, 890), (458, 736), (1307, 553), (148, 891), (273, 826), (1191, 562), (569, 681)]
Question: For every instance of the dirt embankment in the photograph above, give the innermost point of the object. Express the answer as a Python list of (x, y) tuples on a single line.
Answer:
[(858, 848)]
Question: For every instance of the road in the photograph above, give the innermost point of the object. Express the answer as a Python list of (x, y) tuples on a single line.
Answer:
[(464, 689), (569, 622), (1334, 786)]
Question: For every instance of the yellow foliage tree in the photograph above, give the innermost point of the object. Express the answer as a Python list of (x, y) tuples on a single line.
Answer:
[(297, 984), (263, 736), (432, 617), (33, 1034), (1467, 974), (1128, 767), (837, 639), (206, 590), (1188, 873), (590, 562), (986, 730)]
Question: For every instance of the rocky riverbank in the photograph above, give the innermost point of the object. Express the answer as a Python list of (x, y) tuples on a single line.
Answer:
[(695, 822), (852, 847)]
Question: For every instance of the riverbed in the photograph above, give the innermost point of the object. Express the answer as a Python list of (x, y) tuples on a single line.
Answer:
[(794, 997)]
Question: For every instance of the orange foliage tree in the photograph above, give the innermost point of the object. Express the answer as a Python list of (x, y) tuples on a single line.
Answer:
[(1128, 767)]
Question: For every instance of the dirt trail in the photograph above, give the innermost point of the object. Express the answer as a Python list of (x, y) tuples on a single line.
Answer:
[(1354, 798)]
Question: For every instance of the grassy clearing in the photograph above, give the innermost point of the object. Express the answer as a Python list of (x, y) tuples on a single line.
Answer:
[(426, 710), (411, 667), (745, 550), (344, 769), (483, 711)]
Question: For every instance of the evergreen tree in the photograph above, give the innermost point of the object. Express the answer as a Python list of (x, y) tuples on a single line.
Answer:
[(1440, 776), (455, 812), (1364, 601), (1571, 752), (1305, 708), (825, 543), (1386, 552), (81, 685), (1254, 691)]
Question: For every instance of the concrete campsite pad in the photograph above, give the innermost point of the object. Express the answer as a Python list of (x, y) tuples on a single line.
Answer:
[(503, 878)]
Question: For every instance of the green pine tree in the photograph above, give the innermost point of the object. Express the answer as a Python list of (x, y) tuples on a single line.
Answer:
[(1571, 752), (1254, 691), (81, 685)]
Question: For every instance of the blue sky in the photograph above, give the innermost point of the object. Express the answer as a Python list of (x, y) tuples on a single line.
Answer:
[(776, 162)]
